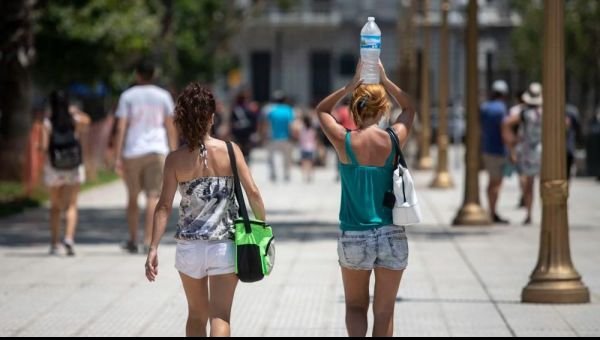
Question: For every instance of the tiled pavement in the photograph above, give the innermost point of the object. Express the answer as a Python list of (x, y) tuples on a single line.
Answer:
[(460, 281)]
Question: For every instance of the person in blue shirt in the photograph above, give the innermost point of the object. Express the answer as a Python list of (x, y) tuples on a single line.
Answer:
[(493, 113), (279, 117)]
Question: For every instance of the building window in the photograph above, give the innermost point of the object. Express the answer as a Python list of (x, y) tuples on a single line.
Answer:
[(348, 63), (322, 6), (260, 68), (320, 68)]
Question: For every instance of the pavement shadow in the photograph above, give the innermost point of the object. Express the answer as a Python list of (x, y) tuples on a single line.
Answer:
[(284, 212), (108, 226), (305, 230), (460, 301), (96, 226)]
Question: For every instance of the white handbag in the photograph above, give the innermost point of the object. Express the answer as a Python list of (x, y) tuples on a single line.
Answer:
[(406, 209)]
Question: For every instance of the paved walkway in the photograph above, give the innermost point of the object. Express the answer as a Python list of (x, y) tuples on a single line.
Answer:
[(460, 282)]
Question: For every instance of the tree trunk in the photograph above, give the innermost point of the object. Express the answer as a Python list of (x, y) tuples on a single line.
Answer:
[(16, 54), (596, 93), (15, 120)]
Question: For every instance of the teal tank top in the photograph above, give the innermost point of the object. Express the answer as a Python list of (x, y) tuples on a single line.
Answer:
[(363, 191)]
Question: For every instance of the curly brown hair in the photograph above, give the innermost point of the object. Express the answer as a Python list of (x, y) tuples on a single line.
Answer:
[(369, 102), (193, 114)]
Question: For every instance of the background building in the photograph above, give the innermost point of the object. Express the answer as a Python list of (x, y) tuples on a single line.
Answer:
[(309, 47)]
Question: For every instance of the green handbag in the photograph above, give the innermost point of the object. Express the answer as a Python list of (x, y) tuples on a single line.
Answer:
[(254, 240)]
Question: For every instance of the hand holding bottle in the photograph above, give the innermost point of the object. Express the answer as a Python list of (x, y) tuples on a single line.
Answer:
[(356, 80), (382, 74)]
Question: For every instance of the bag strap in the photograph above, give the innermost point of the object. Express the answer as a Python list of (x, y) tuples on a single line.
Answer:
[(401, 159), (396, 143), (239, 194)]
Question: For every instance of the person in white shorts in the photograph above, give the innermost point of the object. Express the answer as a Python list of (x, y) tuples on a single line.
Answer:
[(205, 251), (63, 183)]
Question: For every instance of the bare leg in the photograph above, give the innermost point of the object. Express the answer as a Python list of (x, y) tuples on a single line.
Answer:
[(387, 283), (528, 191), (287, 158), (356, 291), (152, 201), (133, 216), (222, 290), (493, 193), (271, 149), (306, 169), (522, 180), (55, 212), (311, 169), (196, 292), (72, 192)]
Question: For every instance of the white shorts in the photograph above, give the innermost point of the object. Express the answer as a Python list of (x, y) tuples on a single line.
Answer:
[(56, 178), (199, 259)]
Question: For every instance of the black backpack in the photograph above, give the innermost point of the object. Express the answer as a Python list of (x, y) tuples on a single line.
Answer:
[(65, 150)]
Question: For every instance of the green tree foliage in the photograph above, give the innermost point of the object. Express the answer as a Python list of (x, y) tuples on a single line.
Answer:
[(93, 40), (201, 29), (526, 39), (582, 33), (101, 40)]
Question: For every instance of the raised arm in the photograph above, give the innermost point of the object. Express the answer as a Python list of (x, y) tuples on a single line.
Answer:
[(404, 122), (334, 131), (161, 216)]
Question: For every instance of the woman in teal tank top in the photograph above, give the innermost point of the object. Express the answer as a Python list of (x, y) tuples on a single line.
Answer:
[(368, 241)]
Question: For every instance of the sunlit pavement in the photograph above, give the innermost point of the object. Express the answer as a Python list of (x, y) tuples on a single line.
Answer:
[(460, 281)]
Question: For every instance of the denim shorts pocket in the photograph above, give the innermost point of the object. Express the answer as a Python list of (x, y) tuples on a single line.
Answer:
[(399, 246), (354, 252)]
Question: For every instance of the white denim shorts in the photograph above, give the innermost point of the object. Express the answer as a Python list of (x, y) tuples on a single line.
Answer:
[(199, 259)]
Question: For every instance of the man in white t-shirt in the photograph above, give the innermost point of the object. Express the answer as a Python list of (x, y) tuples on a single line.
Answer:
[(145, 135)]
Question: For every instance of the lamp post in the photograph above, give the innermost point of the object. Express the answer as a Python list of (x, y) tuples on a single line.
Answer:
[(442, 178), (471, 213), (554, 279), (425, 160)]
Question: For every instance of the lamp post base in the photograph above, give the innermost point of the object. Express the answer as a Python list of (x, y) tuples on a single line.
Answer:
[(442, 180), (425, 163), (472, 214), (556, 291)]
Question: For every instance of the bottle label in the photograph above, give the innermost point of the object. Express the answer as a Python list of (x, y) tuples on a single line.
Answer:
[(370, 41)]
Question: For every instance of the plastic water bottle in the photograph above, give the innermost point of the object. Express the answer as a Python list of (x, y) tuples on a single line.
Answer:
[(370, 48)]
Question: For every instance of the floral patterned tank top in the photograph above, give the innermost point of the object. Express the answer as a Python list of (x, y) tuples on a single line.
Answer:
[(207, 210)]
